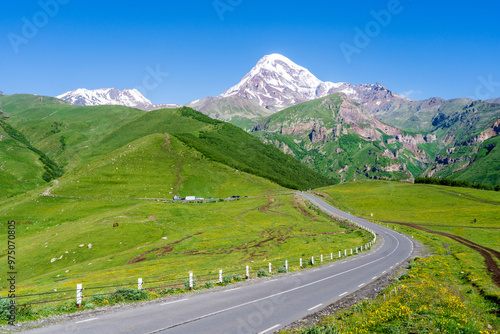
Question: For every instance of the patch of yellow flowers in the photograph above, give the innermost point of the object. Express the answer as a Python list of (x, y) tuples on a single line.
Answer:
[(426, 301)]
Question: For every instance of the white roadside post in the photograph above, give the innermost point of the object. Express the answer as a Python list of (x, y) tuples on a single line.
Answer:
[(220, 275), (270, 267), (286, 265), (321, 257), (340, 254), (351, 251), (248, 272), (79, 296), (312, 260), (191, 280), (345, 252), (139, 284), (301, 262), (331, 256)]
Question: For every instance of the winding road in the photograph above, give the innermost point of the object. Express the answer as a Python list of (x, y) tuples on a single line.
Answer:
[(262, 306)]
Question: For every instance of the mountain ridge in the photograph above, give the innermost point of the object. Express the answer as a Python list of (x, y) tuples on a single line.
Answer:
[(112, 96), (342, 139)]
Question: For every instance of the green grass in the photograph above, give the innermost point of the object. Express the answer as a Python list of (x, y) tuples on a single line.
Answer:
[(74, 137), (450, 290), (203, 238), (159, 166)]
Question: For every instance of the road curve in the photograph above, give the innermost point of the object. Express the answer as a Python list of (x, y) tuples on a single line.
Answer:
[(263, 307)]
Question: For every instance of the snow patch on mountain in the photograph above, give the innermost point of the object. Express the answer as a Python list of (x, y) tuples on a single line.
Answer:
[(106, 96)]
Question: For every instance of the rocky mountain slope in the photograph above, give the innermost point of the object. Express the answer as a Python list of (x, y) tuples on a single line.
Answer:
[(342, 139), (236, 110)]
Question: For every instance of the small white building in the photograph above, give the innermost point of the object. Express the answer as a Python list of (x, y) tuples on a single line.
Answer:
[(190, 198)]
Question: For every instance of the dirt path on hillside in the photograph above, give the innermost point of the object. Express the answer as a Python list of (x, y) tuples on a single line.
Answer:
[(166, 144), (487, 253)]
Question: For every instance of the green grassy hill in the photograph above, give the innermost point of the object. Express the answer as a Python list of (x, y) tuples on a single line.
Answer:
[(72, 137), (159, 166)]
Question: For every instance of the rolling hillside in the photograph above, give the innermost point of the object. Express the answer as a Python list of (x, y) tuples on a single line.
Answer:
[(110, 216), (159, 166), (72, 137)]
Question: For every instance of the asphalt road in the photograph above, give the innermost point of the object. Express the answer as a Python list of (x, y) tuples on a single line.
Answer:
[(263, 307)]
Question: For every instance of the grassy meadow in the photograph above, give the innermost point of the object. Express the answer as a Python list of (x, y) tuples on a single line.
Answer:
[(449, 289), (201, 237)]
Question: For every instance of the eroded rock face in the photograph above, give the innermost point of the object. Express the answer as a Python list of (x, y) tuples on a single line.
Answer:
[(395, 168), (319, 135), (492, 131)]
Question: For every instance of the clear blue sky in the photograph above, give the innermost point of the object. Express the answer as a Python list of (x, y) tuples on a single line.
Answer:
[(429, 48)]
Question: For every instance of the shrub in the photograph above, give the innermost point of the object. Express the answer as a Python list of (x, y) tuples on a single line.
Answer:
[(454, 183), (263, 273), (209, 284), (128, 294), (166, 291), (4, 309), (282, 269), (237, 278), (186, 283), (25, 311), (328, 329), (100, 300), (227, 279)]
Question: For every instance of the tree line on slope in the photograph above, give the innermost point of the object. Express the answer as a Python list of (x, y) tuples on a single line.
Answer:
[(232, 146), (455, 183)]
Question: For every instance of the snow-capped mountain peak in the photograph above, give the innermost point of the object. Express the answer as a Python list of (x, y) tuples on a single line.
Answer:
[(107, 96), (276, 82)]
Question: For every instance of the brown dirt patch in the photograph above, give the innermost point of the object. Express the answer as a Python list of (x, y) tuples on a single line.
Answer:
[(161, 250), (487, 253), (166, 144), (253, 248), (266, 206), (298, 205), (456, 226), (325, 196)]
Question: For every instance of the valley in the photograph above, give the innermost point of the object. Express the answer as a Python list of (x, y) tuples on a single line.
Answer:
[(104, 194)]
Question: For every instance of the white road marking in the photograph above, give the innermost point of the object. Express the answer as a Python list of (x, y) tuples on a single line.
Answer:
[(374, 277), (91, 319), (384, 272), (312, 308), (343, 294), (270, 329), (177, 301), (359, 286), (231, 290)]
